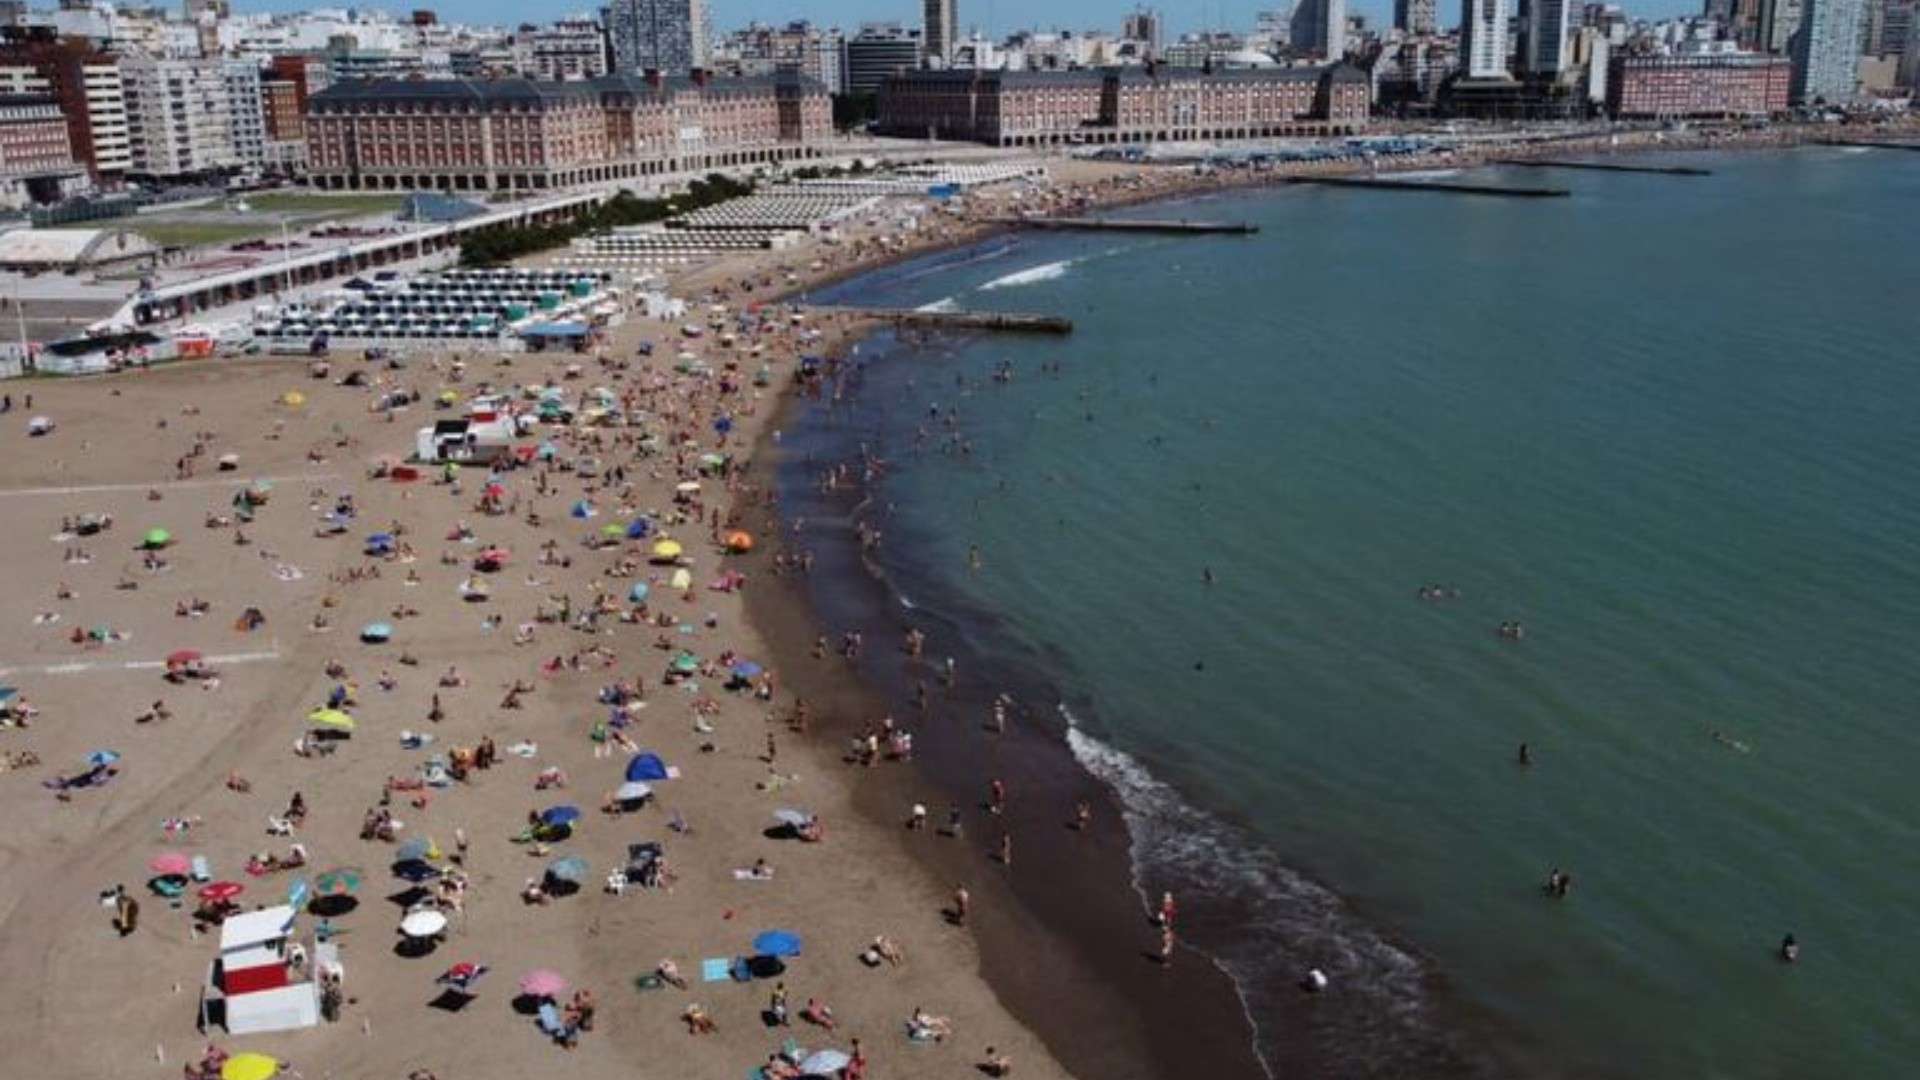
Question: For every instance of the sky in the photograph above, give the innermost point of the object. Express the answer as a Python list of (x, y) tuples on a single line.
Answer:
[(993, 18)]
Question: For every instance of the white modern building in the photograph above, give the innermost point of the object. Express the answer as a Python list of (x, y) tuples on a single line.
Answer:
[(178, 117), (1483, 39), (247, 112), (572, 48), (938, 29), (1549, 33), (1319, 29), (660, 35), (1826, 52)]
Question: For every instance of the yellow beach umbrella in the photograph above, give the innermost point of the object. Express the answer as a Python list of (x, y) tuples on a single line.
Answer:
[(249, 1066), (293, 399), (666, 549), (332, 718)]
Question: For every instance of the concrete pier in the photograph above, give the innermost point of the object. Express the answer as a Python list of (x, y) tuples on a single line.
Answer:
[(1009, 321), (1605, 166), (1442, 187), (1096, 224)]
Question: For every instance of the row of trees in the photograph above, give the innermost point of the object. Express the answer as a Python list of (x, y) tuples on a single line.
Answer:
[(504, 243)]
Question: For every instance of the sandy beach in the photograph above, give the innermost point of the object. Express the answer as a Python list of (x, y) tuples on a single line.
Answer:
[(207, 766), (184, 747)]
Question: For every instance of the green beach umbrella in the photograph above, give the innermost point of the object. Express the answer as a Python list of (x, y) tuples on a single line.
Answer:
[(157, 538), (686, 663), (336, 882)]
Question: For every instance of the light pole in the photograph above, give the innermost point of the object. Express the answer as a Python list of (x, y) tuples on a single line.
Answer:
[(286, 260)]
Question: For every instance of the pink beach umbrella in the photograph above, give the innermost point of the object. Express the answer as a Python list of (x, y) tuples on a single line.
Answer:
[(170, 862), (543, 983)]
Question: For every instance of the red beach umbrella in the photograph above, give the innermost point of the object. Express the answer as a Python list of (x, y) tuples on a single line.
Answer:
[(170, 862), (221, 890), (183, 657)]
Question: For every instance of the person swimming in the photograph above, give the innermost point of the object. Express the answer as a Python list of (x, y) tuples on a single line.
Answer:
[(1789, 949)]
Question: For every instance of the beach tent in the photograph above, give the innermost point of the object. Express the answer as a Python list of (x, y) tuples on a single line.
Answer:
[(583, 509), (637, 593), (646, 766)]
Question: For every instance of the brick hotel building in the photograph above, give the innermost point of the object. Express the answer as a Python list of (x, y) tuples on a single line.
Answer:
[(1705, 87), (1044, 108), (523, 135)]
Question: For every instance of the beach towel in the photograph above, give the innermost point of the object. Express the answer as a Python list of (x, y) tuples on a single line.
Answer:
[(715, 970)]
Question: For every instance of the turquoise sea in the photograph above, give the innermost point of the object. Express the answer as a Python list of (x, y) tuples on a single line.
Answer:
[(1667, 425)]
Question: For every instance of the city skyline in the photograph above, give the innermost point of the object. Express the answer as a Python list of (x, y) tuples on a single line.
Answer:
[(992, 18)]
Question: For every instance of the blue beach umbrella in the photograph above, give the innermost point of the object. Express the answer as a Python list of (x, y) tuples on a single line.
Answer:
[(776, 943), (102, 758), (638, 528), (638, 592), (570, 868), (582, 509), (560, 815), (646, 767), (376, 632), (746, 669)]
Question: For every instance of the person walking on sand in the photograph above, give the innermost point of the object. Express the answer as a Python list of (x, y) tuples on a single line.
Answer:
[(126, 911), (1166, 945), (962, 905), (1006, 848)]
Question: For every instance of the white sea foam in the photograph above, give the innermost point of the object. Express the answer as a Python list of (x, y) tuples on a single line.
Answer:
[(1031, 275), (1177, 846), (944, 304)]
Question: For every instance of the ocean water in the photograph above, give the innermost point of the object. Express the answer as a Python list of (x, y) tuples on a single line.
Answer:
[(1666, 425)]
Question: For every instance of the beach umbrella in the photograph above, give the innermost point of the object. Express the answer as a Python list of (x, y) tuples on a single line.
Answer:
[(417, 849), (787, 815), (169, 863), (646, 766), (544, 982), (376, 632), (637, 593), (639, 527), (613, 532), (687, 487), (746, 669), (332, 718), (221, 890), (583, 509), (293, 399), (380, 540), (249, 1066), (776, 943), (560, 815), (102, 758), (666, 549), (423, 924), (739, 541), (155, 538), (493, 557), (686, 663), (336, 882), (826, 1062), (568, 868), (682, 579), (461, 977), (632, 791), (183, 657)]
